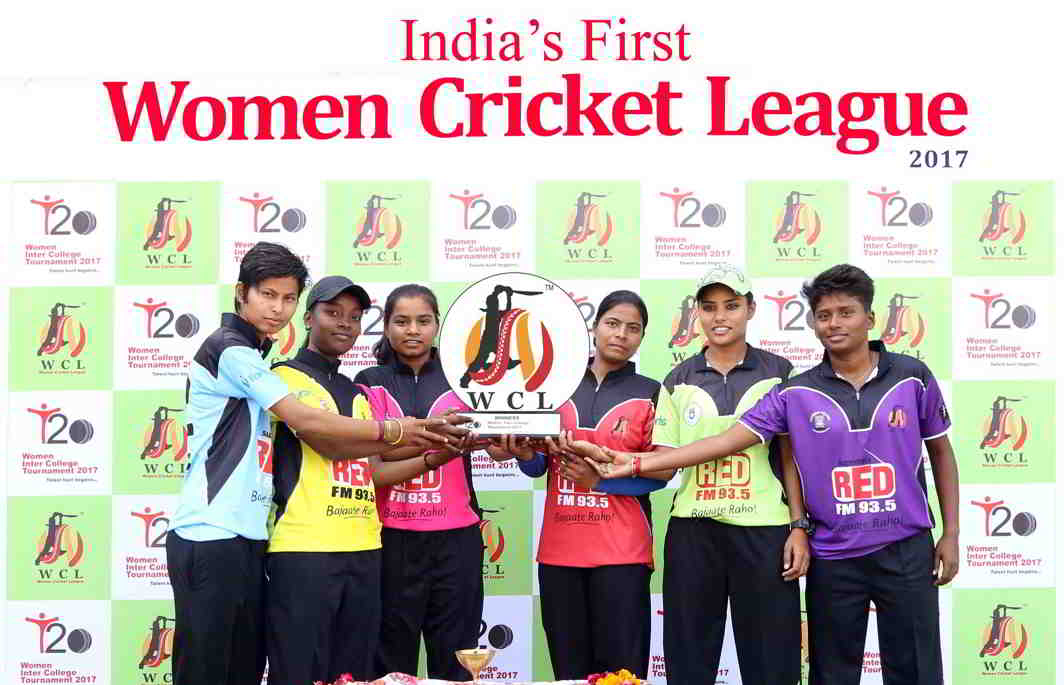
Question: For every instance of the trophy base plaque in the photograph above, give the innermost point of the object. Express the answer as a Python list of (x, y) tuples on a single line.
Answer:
[(533, 424)]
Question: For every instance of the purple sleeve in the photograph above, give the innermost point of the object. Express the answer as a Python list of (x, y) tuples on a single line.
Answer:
[(769, 416), (934, 417)]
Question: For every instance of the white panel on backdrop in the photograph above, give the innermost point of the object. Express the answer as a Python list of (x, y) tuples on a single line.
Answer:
[(489, 474), (727, 669), (872, 666), (480, 228), (59, 443), (900, 228), (157, 331), (1002, 328), (1007, 536), (290, 213), (63, 233), (783, 322), (54, 641), (506, 626), (684, 225), (139, 524)]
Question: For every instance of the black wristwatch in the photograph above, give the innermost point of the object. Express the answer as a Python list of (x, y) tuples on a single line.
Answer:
[(804, 524)]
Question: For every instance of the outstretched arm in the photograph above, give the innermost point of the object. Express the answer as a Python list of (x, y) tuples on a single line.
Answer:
[(341, 437), (624, 464)]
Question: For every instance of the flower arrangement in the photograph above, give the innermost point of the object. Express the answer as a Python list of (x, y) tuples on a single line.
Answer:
[(344, 679), (621, 677), (390, 679)]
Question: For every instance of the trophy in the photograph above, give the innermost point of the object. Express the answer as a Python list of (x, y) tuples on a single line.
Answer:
[(474, 660), (520, 351)]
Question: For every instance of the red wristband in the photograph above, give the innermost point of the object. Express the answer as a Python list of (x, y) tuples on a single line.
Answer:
[(637, 463)]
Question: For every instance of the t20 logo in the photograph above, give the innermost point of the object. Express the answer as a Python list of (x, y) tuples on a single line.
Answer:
[(500, 216), (78, 640), (64, 431), (996, 512), (265, 212), (1019, 316), (918, 214), (156, 526), (710, 214), (83, 222), (159, 317)]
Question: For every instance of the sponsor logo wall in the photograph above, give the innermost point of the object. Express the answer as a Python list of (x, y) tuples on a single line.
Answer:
[(114, 286)]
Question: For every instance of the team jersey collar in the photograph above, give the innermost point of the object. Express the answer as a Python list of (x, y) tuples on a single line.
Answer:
[(248, 332), (627, 370), (748, 362), (317, 361), (886, 360), (431, 364)]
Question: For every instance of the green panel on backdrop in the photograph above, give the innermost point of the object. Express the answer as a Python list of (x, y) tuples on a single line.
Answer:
[(660, 508), (587, 229), (674, 333), (1004, 431), (507, 531), (150, 442), (61, 338), (796, 235), (913, 318), (142, 638), (1003, 632), (58, 548), (378, 230), (168, 233), (446, 293), (1003, 228)]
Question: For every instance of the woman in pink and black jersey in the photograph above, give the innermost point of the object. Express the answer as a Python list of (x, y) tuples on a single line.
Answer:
[(431, 581), (595, 549)]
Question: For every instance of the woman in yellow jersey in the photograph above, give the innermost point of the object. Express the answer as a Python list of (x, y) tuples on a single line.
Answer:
[(323, 607)]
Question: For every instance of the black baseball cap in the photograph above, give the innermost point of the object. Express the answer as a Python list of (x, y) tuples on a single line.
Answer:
[(330, 287)]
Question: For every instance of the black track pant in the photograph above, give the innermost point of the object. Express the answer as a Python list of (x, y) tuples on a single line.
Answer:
[(218, 593), (709, 565), (898, 579), (323, 615), (431, 584), (596, 619)]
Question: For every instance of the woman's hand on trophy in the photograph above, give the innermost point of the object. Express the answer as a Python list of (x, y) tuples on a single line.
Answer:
[(579, 449), (410, 432), (580, 472), (508, 447), (452, 425), (619, 466), (472, 442)]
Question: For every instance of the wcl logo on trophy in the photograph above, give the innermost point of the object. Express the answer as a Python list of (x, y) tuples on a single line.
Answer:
[(518, 349)]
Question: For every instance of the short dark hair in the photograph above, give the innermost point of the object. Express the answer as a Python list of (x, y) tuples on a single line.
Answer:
[(618, 297), (841, 278), (382, 349), (270, 260)]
